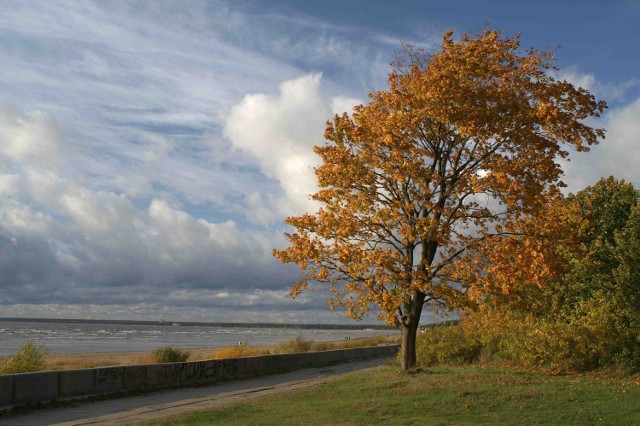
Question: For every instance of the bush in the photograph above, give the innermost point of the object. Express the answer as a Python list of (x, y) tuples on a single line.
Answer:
[(27, 359), (299, 344), (323, 346), (554, 346), (365, 341), (240, 351), (169, 354), (448, 344), (521, 340)]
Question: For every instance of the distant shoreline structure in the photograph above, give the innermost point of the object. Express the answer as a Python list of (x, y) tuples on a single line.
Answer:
[(204, 324)]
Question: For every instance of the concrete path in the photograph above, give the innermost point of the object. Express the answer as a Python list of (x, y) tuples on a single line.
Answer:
[(162, 404)]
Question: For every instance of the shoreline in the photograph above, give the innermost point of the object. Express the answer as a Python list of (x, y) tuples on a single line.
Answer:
[(81, 360), (169, 323)]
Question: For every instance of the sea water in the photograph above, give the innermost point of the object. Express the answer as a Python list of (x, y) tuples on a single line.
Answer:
[(61, 338)]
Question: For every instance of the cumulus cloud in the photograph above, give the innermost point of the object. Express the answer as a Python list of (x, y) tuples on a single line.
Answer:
[(618, 155), (279, 132)]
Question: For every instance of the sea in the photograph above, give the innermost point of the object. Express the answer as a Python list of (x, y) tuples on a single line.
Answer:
[(83, 337)]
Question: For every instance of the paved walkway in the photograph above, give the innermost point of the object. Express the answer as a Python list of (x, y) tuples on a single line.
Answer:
[(162, 404)]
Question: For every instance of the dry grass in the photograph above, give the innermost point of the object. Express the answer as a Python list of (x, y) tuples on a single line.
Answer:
[(239, 351), (108, 359), (299, 344)]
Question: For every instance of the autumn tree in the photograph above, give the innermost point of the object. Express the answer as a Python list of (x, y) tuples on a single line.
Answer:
[(462, 144)]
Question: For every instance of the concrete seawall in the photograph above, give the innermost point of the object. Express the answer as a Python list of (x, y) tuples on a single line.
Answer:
[(29, 388)]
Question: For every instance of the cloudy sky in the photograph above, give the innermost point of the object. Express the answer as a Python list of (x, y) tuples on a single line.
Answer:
[(149, 151)]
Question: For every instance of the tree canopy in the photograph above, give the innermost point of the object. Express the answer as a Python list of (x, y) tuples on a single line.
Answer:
[(460, 147)]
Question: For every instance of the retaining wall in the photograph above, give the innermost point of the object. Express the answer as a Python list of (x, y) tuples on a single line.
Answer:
[(28, 388)]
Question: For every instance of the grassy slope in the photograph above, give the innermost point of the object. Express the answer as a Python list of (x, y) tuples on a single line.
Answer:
[(441, 396)]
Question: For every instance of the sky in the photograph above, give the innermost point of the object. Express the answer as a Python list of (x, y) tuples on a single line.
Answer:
[(150, 150)]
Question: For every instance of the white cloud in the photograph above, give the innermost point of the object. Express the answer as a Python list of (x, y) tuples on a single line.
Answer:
[(9, 184), (279, 132), (33, 136), (608, 91), (618, 155), (340, 104), (22, 219)]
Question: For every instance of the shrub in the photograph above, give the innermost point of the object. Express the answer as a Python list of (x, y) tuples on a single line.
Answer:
[(240, 351), (169, 354), (27, 359), (521, 340), (449, 344), (323, 346), (365, 341), (550, 345), (299, 344)]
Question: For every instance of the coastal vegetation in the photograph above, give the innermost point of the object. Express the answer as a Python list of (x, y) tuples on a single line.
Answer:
[(239, 351), (444, 395), (169, 354), (30, 357), (299, 344), (457, 156), (37, 358)]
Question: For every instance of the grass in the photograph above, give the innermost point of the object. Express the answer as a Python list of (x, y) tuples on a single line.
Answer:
[(239, 351), (299, 344), (167, 354), (440, 396)]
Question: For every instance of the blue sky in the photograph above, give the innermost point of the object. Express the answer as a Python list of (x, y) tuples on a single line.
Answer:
[(149, 151)]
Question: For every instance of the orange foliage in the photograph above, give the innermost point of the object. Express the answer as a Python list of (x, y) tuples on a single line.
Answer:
[(527, 256), (417, 183)]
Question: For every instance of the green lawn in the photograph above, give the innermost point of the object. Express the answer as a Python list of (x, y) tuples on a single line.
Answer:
[(441, 396)]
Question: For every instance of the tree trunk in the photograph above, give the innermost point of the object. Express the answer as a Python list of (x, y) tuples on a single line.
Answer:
[(409, 328)]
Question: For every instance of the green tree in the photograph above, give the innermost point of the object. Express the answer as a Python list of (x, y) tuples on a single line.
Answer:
[(605, 209), (602, 284), (627, 274)]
